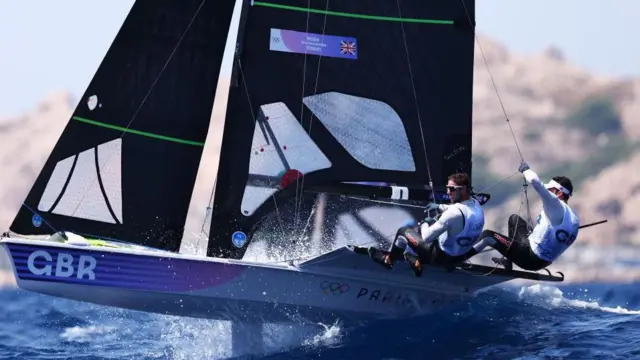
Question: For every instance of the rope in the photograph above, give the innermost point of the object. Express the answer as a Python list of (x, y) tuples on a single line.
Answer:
[(210, 206), (495, 87), (515, 141), (499, 182), (506, 251), (304, 80), (504, 111), (255, 120), (41, 217)]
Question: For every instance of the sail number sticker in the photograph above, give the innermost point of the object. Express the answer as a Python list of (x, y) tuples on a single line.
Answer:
[(313, 44)]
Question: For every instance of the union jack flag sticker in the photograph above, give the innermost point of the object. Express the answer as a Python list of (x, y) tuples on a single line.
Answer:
[(348, 47)]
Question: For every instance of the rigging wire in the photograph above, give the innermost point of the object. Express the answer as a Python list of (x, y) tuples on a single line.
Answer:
[(209, 208), (515, 141), (504, 111), (508, 247), (495, 87), (415, 98), (255, 121), (298, 202), (304, 80), (499, 182), (144, 99)]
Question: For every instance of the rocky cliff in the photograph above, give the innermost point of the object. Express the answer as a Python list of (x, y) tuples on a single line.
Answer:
[(564, 119)]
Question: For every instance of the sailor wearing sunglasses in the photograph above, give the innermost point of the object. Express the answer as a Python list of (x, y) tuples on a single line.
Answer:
[(447, 241)]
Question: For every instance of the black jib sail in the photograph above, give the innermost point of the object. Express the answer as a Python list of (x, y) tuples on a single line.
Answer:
[(125, 164), (327, 94)]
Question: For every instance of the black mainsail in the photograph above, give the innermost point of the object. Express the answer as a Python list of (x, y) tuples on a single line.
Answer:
[(327, 93), (125, 164)]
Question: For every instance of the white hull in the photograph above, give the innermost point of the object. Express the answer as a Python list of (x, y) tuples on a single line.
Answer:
[(339, 284)]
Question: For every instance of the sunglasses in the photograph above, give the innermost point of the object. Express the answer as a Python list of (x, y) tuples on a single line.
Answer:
[(453, 188)]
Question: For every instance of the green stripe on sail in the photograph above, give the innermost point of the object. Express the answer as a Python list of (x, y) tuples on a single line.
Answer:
[(137, 132), (357, 16)]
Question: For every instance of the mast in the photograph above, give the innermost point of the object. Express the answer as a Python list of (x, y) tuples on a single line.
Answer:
[(195, 234)]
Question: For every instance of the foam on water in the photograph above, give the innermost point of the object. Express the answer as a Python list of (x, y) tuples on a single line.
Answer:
[(331, 336), (83, 334), (553, 297)]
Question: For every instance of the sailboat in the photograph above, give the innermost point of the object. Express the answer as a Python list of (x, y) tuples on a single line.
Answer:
[(360, 104)]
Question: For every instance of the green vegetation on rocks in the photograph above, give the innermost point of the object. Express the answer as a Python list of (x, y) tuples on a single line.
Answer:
[(595, 116)]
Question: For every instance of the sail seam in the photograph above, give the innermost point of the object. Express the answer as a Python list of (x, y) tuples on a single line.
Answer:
[(138, 132), (351, 15)]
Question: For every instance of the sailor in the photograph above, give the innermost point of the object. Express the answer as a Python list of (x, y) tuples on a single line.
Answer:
[(446, 241), (555, 230)]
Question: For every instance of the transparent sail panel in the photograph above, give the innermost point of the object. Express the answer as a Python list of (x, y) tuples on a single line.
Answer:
[(370, 130)]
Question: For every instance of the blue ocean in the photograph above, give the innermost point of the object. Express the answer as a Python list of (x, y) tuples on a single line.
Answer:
[(533, 321)]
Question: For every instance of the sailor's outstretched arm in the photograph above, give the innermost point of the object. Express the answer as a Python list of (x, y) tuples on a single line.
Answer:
[(551, 204)]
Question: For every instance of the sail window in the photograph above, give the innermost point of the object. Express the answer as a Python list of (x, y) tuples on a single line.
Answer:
[(370, 130)]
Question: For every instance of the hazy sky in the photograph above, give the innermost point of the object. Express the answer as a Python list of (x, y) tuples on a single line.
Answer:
[(48, 45)]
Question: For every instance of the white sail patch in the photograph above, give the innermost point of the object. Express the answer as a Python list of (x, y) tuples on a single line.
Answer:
[(281, 149), (253, 197), (370, 130), (56, 184), (92, 102), (83, 197), (110, 160)]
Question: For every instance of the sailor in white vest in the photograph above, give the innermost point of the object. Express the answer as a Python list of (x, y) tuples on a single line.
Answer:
[(448, 240), (555, 230)]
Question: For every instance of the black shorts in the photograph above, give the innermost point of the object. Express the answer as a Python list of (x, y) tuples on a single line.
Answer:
[(429, 253)]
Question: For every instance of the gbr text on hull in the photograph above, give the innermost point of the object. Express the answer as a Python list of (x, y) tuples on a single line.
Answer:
[(41, 263)]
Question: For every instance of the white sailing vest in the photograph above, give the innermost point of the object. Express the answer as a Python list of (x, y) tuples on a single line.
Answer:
[(461, 243), (548, 242)]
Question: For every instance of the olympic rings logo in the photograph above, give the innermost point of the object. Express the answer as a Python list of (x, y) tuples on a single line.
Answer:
[(334, 288)]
